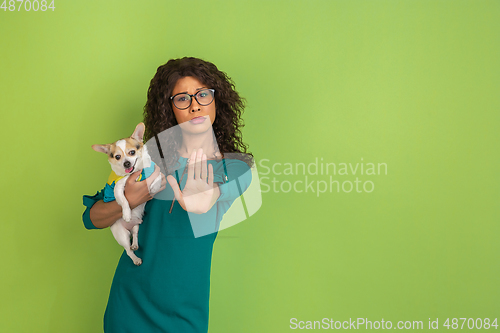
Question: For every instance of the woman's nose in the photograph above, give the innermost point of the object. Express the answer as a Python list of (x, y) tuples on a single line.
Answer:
[(195, 106)]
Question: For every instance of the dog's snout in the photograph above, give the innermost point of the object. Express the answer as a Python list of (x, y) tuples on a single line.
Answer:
[(127, 164)]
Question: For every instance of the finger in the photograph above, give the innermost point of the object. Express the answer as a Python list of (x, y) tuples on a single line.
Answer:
[(153, 176), (197, 166), (133, 177), (191, 165), (156, 172), (163, 180), (175, 187), (163, 183), (204, 167), (210, 175)]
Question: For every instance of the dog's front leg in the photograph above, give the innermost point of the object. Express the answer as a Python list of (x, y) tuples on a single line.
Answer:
[(120, 198)]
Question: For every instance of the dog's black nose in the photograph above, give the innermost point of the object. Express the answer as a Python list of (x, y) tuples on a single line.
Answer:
[(126, 165)]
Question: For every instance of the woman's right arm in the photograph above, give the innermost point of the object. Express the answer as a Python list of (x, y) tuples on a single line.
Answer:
[(104, 214)]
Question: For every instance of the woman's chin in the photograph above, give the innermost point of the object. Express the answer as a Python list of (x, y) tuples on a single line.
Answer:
[(189, 127)]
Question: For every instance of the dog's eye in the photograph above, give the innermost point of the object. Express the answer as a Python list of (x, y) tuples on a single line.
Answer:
[(118, 157), (131, 153)]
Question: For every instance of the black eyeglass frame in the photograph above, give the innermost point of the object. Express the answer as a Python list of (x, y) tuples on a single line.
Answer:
[(191, 98)]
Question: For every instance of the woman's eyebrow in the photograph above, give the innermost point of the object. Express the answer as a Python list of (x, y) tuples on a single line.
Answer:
[(185, 92), (197, 89)]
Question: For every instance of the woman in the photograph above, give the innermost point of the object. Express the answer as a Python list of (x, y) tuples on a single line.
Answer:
[(169, 292)]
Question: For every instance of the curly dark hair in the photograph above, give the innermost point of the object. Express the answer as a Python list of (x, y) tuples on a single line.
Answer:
[(159, 115)]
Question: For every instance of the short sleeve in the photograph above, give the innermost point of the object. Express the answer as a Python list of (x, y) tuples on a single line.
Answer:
[(108, 193), (88, 202)]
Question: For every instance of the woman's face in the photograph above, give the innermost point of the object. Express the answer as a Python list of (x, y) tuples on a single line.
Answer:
[(186, 117)]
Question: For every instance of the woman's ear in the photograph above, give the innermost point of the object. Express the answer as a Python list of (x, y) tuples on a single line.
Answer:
[(138, 132)]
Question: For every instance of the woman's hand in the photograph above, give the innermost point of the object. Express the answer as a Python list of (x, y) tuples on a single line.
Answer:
[(105, 214), (200, 192), (139, 192)]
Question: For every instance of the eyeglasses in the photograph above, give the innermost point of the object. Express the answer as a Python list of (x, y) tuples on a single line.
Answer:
[(203, 97)]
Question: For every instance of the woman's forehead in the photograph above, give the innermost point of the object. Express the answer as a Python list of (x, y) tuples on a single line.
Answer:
[(189, 84)]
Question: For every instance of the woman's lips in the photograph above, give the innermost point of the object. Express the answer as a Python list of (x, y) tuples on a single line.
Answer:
[(197, 120)]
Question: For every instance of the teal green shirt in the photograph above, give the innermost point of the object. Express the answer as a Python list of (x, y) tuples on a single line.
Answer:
[(170, 291)]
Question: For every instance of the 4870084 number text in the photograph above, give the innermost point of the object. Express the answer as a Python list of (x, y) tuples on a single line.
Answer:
[(29, 5)]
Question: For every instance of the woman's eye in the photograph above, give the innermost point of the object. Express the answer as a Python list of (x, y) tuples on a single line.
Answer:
[(118, 157), (203, 94), (132, 152), (182, 99)]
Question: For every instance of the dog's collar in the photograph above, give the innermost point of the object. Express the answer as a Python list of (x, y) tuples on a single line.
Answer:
[(113, 178)]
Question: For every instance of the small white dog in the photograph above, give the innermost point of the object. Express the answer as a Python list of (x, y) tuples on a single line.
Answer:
[(127, 156)]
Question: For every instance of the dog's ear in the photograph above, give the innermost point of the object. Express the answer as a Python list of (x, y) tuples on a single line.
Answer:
[(139, 132), (101, 148)]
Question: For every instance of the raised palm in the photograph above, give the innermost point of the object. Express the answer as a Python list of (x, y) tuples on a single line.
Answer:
[(199, 194)]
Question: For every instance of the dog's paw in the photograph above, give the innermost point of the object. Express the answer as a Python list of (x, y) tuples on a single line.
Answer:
[(134, 247), (127, 215), (138, 262)]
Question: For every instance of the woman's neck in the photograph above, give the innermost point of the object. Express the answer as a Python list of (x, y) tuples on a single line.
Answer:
[(192, 142)]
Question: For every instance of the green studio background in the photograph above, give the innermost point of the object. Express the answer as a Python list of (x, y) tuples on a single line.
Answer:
[(412, 85)]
